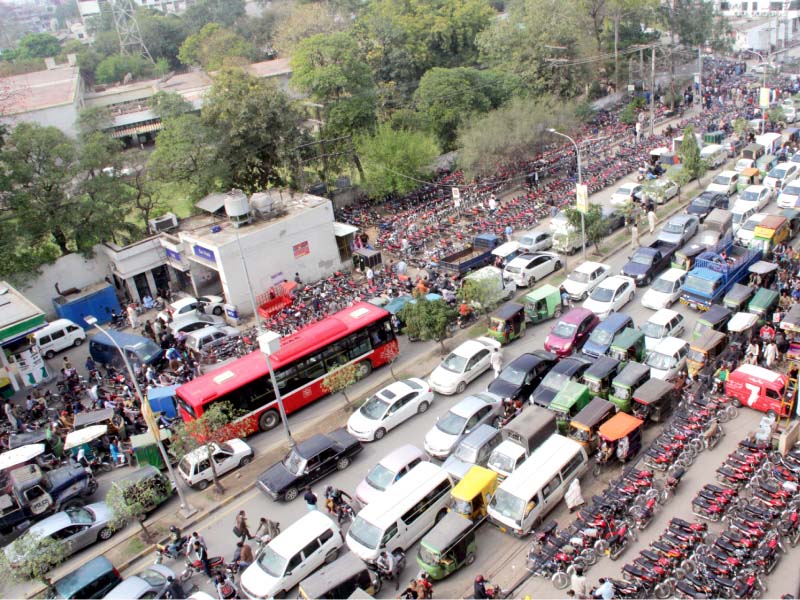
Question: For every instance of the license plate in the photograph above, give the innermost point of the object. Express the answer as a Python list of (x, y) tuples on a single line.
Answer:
[(503, 529)]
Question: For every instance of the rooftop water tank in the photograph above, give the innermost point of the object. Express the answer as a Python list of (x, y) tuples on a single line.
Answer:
[(237, 207)]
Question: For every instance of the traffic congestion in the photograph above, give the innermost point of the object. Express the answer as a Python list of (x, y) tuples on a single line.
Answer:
[(563, 445)]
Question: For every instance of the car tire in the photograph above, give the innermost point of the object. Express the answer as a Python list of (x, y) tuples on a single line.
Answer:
[(268, 420), (245, 461), (342, 463), (105, 534), (78, 342), (201, 485), (331, 556), (378, 435), (290, 494), (423, 406), (531, 281), (217, 310), (49, 354), (462, 385)]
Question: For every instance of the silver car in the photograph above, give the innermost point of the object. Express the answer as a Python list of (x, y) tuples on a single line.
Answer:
[(149, 583), (461, 420), (76, 528), (679, 229)]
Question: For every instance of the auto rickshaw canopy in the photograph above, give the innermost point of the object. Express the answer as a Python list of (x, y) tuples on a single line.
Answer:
[(478, 482), (738, 296), (628, 339), (594, 413), (652, 390), (749, 175), (543, 302), (763, 301), (601, 368), (620, 425), (708, 340), (508, 312), (741, 322), (714, 318), (763, 267), (347, 566), (569, 395), (93, 417), (447, 533), (791, 320), (631, 374)]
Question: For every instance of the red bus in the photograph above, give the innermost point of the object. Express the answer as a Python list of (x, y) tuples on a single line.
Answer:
[(361, 334)]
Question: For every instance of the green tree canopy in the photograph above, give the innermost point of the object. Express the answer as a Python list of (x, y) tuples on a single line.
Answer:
[(116, 67), (395, 160), (36, 556), (595, 224), (689, 152), (38, 45), (298, 21), (428, 320), (131, 502), (168, 105), (203, 12), (162, 33), (214, 47)]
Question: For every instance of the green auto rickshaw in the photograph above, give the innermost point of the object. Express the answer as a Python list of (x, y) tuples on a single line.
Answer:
[(507, 323), (738, 297), (543, 303), (448, 546), (145, 450), (599, 376), (583, 427), (763, 304), (714, 318), (626, 383), (628, 345), (568, 402)]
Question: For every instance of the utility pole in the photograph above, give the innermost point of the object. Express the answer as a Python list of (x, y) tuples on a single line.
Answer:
[(700, 73), (652, 87)]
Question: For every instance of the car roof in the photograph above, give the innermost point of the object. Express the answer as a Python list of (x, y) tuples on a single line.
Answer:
[(662, 315), (313, 445), (615, 321), (727, 172), (629, 184), (672, 274), (613, 282), (576, 315), (292, 539), (590, 266), (131, 587), (469, 348), (521, 260), (527, 360), (682, 218), (755, 188), (570, 364), (467, 406), (670, 345), (400, 457), (74, 581), (51, 524), (178, 304)]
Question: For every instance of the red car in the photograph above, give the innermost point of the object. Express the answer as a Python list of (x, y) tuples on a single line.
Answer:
[(571, 331)]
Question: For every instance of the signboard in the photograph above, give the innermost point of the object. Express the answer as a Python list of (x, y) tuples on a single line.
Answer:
[(763, 97), (301, 249), (582, 197), (631, 88), (204, 253), (31, 366), (176, 256)]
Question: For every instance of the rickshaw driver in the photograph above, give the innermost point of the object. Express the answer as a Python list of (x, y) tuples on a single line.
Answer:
[(606, 451), (387, 565), (622, 448), (464, 310)]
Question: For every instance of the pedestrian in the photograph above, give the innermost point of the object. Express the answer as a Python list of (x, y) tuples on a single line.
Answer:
[(243, 556), (651, 220), (370, 275), (132, 320), (492, 203), (297, 279), (578, 583), (195, 538), (606, 589), (638, 131), (202, 555), (270, 528), (564, 298), (509, 230), (241, 527), (12, 418), (770, 354), (224, 586), (753, 352), (311, 499), (149, 331), (174, 588), (497, 362), (634, 235)]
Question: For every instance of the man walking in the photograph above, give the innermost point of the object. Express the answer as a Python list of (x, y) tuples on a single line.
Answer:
[(202, 555), (497, 362), (651, 220), (311, 499)]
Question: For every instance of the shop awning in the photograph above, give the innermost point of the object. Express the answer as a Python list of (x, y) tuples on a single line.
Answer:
[(136, 129), (343, 229)]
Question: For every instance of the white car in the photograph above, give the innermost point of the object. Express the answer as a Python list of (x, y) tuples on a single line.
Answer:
[(665, 289), (610, 295), (580, 282), (668, 358), (461, 420), (388, 408), (790, 196), (747, 231), (196, 470), (559, 222), (661, 190), (214, 305), (527, 269), (624, 193), (462, 365), (758, 195), (781, 175), (664, 323), (533, 241), (193, 321), (724, 182), (744, 163), (208, 337), (389, 470)]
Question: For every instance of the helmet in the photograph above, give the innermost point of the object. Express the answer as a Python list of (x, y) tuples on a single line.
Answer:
[(479, 579), (173, 529)]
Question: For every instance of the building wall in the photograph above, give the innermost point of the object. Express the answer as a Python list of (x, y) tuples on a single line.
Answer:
[(64, 117)]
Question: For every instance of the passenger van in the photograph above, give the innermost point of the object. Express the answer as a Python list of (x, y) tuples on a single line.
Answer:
[(771, 142), (140, 350), (397, 520), (92, 580), (57, 336), (311, 541), (537, 485), (760, 389), (714, 155)]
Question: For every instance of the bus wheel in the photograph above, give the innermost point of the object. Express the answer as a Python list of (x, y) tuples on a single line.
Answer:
[(268, 420), (363, 369)]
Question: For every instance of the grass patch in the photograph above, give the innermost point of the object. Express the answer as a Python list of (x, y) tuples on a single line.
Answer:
[(478, 329), (135, 545)]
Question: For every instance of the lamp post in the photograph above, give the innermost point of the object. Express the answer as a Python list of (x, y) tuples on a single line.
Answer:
[(580, 182), (763, 85), (270, 342), (186, 509)]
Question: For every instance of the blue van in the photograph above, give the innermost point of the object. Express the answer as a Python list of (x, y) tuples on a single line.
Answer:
[(603, 335), (140, 350), (93, 580)]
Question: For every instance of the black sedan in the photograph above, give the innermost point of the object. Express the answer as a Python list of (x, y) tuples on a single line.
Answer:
[(308, 462), (519, 378), (705, 203), (570, 368)]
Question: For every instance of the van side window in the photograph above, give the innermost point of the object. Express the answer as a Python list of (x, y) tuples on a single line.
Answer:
[(326, 535), (551, 486), (71, 328), (45, 339), (572, 466), (415, 512), (311, 547), (58, 334), (294, 562)]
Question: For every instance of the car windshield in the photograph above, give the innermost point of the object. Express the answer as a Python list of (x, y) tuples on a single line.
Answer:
[(662, 362), (702, 202), (80, 516), (578, 276), (380, 477), (699, 284), (777, 173), (792, 190), (454, 363), (640, 259), (652, 330), (749, 196), (512, 374), (468, 454), (749, 225), (564, 330), (663, 285), (451, 424), (153, 578), (374, 408), (601, 337), (294, 463), (366, 534), (624, 191), (501, 462), (602, 294), (672, 227), (555, 381), (743, 164), (272, 562), (696, 356), (722, 179), (508, 505)]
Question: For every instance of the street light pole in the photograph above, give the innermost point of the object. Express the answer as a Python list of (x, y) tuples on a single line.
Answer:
[(580, 182), (186, 509), (270, 342), (763, 85)]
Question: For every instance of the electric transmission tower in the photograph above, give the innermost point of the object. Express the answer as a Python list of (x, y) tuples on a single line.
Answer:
[(130, 37)]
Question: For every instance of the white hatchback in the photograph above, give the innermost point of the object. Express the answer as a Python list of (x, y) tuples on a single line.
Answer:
[(664, 290), (781, 175), (757, 195), (724, 182), (195, 468), (610, 295), (790, 196), (527, 269), (580, 282), (624, 192), (388, 408), (469, 360), (668, 358), (663, 324)]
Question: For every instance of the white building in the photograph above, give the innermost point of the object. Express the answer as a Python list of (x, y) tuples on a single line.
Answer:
[(91, 8), (761, 25)]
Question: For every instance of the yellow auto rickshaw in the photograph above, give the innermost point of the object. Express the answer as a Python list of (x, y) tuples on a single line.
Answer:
[(470, 497), (584, 426), (704, 350)]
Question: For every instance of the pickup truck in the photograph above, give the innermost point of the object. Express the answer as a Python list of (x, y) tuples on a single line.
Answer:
[(521, 437), (648, 261), (715, 273), (32, 495), (477, 254)]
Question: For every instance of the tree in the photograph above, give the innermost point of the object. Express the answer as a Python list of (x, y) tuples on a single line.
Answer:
[(689, 152), (395, 161), (298, 21), (116, 67), (38, 45), (169, 105), (449, 97), (203, 12), (428, 320), (595, 224), (35, 556), (340, 379), (131, 502), (482, 294), (162, 33), (216, 425), (214, 47)]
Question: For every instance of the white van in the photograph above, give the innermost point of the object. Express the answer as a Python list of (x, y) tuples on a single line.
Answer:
[(714, 155), (503, 290), (770, 141), (533, 241), (57, 336), (537, 485), (311, 541), (397, 520)]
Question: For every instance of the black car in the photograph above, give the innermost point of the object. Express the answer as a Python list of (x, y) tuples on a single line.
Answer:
[(614, 217), (519, 378), (570, 368), (705, 203), (308, 462)]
